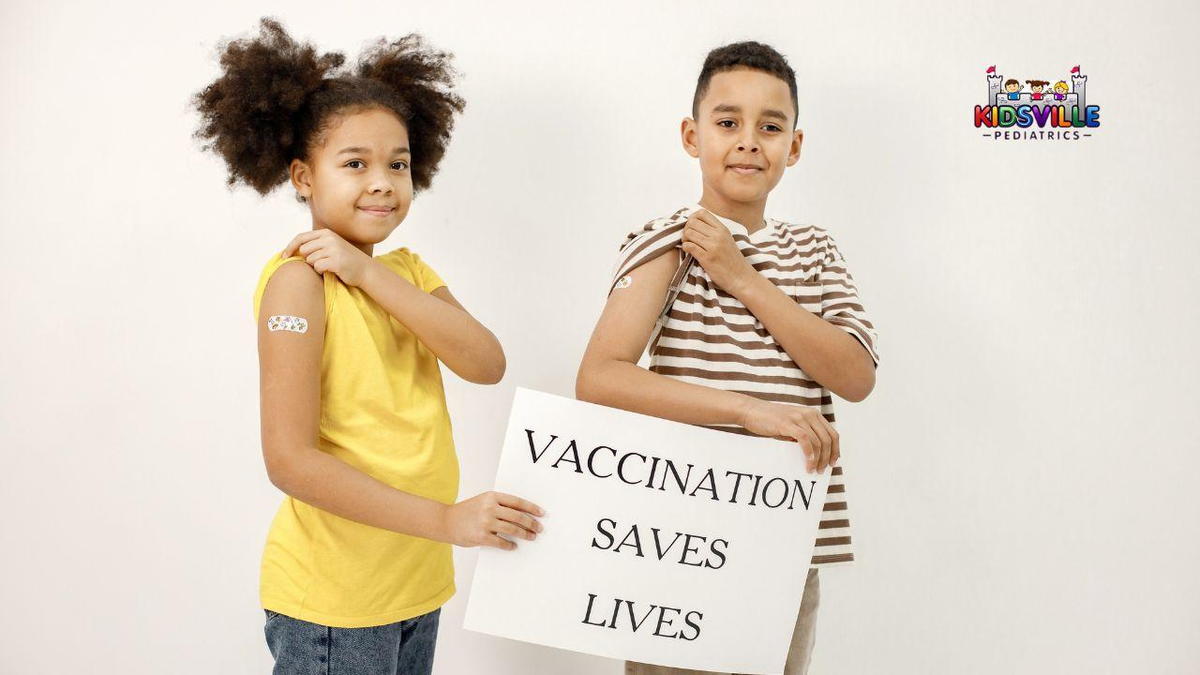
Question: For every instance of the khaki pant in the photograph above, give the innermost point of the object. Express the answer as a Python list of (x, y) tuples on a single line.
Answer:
[(804, 636)]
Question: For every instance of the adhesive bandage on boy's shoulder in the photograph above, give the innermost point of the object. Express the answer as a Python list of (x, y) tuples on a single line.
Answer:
[(284, 322), (624, 282)]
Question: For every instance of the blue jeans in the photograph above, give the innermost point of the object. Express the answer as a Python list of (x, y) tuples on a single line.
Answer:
[(304, 648)]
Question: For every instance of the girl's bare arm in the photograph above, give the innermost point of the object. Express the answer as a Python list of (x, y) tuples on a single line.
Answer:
[(440, 322), (290, 392)]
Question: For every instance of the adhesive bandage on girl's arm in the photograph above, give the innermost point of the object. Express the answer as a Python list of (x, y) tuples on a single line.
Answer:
[(294, 324), (623, 282)]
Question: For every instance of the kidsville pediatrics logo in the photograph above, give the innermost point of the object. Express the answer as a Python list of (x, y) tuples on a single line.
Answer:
[(1059, 111)]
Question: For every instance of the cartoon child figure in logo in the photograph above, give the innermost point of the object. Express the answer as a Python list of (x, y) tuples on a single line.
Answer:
[(1060, 91), (1013, 88), (1035, 88)]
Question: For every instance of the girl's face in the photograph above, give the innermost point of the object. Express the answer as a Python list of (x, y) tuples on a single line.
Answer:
[(358, 181)]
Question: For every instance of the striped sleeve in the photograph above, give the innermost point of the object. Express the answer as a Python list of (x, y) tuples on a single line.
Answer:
[(655, 238), (840, 304)]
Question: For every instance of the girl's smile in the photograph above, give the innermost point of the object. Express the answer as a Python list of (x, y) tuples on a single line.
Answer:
[(377, 211)]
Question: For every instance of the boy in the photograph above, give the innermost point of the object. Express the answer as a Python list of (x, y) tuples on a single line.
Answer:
[(762, 319)]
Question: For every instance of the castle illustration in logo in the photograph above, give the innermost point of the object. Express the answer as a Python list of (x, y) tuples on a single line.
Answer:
[(1058, 109)]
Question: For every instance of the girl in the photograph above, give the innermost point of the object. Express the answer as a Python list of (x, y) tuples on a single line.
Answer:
[(355, 430)]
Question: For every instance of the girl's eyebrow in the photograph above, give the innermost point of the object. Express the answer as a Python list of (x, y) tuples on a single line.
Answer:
[(363, 151)]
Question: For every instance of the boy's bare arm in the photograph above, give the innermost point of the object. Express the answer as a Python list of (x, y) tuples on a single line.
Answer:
[(609, 375), (290, 400)]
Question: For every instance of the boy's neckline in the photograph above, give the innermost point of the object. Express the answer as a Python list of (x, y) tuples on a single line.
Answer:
[(736, 227)]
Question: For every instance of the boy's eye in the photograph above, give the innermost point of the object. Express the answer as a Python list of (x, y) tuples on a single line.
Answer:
[(354, 161), (399, 165), (772, 127), (728, 124)]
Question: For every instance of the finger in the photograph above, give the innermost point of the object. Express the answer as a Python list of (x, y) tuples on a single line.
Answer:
[(814, 456), (697, 253), (315, 244), (708, 222), (519, 518), (505, 527), (700, 228), (297, 241), (826, 451), (835, 451), (824, 440), (320, 261), (801, 436), (829, 437), (515, 502), (496, 541)]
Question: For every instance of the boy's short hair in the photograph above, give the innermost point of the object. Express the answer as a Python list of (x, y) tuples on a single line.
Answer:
[(747, 54)]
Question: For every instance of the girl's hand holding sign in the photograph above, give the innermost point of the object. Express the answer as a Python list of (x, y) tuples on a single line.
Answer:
[(480, 520)]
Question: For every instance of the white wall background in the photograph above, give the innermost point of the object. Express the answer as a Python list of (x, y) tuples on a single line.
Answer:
[(1022, 480)]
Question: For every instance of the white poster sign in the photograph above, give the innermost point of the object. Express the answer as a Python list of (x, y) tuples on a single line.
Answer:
[(664, 543)]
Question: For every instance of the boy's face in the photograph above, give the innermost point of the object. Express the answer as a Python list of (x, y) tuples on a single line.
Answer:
[(1012, 87), (358, 181), (743, 135)]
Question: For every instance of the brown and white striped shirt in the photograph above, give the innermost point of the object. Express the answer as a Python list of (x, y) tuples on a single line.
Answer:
[(708, 337)]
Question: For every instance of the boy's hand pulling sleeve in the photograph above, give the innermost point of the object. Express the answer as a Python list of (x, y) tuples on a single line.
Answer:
[(712, 245)]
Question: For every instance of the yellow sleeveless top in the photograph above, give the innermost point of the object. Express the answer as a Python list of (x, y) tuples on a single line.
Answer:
[(383, 411)]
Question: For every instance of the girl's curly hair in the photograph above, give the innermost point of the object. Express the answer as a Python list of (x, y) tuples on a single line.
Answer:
[(277, 97)]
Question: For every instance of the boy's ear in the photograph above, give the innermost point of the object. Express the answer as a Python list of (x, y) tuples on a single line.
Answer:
[(301, 177), (687, 133), (794, 151)]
